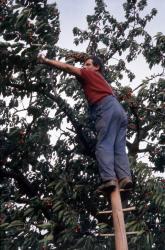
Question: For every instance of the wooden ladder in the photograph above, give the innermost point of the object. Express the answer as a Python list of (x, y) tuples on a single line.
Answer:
[(120, 233)]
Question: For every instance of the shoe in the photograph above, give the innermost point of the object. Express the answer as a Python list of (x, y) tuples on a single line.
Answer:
[(107, 186), (125, 183)]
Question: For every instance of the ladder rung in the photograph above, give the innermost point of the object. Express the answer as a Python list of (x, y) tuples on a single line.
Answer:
[(124, 210), (120, 190), (127, 233)]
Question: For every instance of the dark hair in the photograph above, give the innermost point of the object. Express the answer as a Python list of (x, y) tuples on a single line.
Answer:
[(97, 62)]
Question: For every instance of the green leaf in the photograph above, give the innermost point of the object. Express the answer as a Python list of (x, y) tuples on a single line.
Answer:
[(52, 184), (102, 225), (45, 226), (61, 214), (28, 211), (16, 223), (48, 238), (58, 205), (4, 225)]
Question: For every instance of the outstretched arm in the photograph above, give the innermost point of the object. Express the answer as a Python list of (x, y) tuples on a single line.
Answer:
[(60, 65)]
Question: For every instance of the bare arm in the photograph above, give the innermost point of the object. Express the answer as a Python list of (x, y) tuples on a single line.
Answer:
[(60, 65)]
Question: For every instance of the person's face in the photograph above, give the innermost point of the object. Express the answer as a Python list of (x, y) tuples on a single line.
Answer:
[(89, 65)]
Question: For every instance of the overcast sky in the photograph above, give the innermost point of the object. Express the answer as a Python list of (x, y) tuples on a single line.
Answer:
[(73, 13)]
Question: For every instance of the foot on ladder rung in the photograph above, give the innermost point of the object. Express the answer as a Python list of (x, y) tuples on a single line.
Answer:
[(124, 210)]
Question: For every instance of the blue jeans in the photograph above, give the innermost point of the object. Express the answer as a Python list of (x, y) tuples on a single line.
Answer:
[(111, 125)]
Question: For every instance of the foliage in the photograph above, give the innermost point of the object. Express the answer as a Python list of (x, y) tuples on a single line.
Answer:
[(48, 198)]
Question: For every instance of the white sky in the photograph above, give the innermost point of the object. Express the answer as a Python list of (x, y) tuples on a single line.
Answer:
[(73, 13)]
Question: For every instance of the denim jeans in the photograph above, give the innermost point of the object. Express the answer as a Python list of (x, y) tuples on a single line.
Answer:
[(111, 125)]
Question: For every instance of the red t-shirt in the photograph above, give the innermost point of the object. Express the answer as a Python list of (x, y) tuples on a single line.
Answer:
[(94, 85)]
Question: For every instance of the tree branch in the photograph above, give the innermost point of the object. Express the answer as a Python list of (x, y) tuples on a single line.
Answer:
[(24, 186), (78, 127), (23, 183), (64, 106)]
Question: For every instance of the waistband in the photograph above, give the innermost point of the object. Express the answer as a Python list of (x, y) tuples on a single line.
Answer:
[(103, 100)]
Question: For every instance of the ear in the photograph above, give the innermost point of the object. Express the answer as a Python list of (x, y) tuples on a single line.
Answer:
[(97, 67)]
